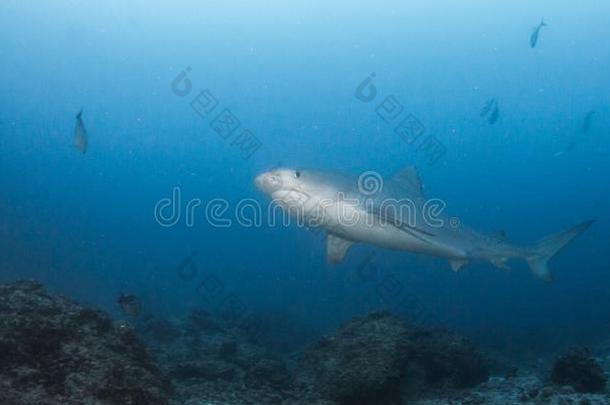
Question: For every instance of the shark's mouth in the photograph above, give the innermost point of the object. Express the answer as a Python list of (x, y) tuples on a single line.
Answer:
[(268, 182), (291, 199)]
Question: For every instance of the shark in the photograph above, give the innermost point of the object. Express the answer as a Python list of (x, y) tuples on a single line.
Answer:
[(394, 213)]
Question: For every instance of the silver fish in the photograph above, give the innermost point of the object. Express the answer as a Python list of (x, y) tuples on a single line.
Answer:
[(130, 304), (495, 114), (80, 134), (534, 36), (487, 107), (588, 121)]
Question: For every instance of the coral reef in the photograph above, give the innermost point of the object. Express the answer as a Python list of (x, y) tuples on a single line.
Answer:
[(528, 389), (579, 370), (211, 359), (446, 359), (53, 351), (364, 362), (380, 359)]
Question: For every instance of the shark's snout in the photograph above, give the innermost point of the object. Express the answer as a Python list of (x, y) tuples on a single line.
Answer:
[(268, 182), (259, 180)]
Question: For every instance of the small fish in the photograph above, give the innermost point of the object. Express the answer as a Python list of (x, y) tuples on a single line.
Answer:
[(130, 304), (80, 134), (187, 269), (495, 114), (570, 148), (586, 125), (534, 36), (487, 107)]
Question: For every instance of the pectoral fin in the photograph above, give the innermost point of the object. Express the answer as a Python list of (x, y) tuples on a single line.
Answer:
[(336, 248), (457, 264)]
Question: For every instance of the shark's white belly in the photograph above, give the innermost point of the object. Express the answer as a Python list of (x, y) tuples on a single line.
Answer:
[(357, 225)]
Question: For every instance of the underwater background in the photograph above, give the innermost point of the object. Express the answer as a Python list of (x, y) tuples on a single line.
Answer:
[(85, 225)]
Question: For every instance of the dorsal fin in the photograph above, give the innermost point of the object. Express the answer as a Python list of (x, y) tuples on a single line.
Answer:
[(409, 178)]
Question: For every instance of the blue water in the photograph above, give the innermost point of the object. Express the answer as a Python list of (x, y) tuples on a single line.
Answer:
[(84, 224)]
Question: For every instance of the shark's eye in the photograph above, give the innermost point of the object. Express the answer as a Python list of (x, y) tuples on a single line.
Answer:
[(297, 174)]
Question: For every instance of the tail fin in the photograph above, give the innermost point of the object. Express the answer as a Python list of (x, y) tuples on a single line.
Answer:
[(547, 248)]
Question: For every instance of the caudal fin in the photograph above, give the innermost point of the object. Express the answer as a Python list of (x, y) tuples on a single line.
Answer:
[(545, 249)]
